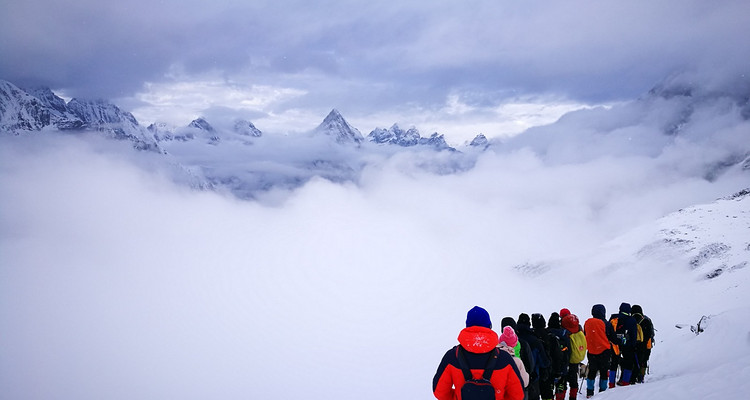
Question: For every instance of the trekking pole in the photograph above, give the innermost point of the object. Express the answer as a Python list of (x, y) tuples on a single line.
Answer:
[(584, 372), (580, 387)]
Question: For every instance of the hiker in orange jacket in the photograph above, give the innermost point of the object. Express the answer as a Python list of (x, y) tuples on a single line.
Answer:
[(598, 335), (477, 352)]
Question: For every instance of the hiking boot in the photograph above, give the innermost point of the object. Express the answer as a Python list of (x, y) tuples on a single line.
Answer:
[(589, 393), (623, 383), (611, 385)]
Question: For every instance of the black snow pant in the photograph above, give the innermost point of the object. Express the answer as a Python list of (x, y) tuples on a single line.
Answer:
[(532, 391), (547, 388), (642, 354), (599, 364), (628, 358), (571, 378)]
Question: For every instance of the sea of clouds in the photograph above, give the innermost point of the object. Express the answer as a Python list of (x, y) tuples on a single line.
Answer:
[(121, 280)]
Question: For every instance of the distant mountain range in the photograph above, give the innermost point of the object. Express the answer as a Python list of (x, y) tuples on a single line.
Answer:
[(237, 156), (23, 111)]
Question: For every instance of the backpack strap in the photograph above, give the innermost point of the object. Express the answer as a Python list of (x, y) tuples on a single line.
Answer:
[(464, 364), (489, 367)]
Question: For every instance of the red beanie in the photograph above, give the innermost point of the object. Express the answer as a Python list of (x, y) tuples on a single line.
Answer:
[(570, 322), (564, 312)]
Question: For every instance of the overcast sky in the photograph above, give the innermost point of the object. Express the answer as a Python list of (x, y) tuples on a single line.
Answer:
[(472, 66), (116, 282)]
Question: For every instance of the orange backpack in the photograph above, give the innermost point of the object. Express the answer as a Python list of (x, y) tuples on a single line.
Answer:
[(615, 347)]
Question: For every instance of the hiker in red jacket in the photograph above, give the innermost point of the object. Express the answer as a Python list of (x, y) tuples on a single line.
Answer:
[(478, 354)]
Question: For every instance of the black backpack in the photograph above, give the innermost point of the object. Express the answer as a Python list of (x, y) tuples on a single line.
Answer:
[(558, 362), (477, 389), (648, 328)]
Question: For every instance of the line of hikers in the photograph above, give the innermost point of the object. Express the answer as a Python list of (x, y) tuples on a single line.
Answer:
[(535, 359)]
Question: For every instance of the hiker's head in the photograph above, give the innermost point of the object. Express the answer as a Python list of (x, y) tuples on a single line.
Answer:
[(599, 311), (508, 321), (478, 316), (537, 321), (508, 337), (523, 319), (554, 320)]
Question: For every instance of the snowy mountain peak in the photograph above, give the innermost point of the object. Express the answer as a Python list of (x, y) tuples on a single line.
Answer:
[(201, 124), (20, 111), (395, 135), (246, 128), (336, 126), (479, 141), (49, 99), (380, 135), (437, 141), (411, 137), (101, 114), (32, 110)]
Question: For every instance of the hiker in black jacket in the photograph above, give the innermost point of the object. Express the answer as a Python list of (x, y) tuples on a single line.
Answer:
[(642, 347), (554, 354), (626, 333), (554, 327), (539, 356)]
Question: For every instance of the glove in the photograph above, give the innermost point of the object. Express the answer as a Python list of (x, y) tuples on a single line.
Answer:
[(621, 339)]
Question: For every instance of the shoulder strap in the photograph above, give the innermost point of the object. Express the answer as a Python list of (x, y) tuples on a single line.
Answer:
[(489, 366), (465, 365)]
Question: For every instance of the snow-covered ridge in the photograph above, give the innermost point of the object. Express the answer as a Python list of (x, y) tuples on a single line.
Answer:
[(411, 137), (20, 111), (27, 111), (707, 241)]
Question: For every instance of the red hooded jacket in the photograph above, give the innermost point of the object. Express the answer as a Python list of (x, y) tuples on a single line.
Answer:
[(480, 343)]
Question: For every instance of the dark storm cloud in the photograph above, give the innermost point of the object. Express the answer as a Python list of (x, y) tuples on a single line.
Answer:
[(593, 51)]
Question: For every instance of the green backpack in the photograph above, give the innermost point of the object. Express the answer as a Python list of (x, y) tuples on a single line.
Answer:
[(577, 347)]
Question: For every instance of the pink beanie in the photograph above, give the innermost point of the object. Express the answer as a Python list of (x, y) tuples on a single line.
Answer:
[(509, 337)]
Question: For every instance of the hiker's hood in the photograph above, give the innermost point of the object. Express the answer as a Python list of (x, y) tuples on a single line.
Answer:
[(598, 311), (478, 339)]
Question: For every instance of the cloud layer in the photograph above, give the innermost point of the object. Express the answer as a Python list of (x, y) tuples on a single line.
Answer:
[(405, 60)]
